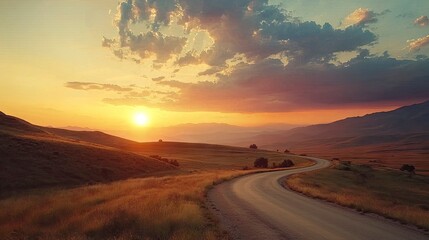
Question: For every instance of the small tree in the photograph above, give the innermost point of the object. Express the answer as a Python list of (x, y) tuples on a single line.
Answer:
[(409, 168), (286, 151), (261, 162), (160, 140), (253, 146)]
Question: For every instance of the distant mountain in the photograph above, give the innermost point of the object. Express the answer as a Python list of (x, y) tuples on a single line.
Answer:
[(404, 120), (214, 133)]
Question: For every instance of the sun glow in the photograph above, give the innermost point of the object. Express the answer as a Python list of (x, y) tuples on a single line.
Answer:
[(141, 119)]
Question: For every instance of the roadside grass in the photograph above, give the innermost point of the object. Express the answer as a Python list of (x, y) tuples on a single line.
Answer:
[(170, 207), (390, 193)]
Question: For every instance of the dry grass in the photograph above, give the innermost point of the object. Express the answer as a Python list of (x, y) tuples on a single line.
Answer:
[(150, 208), (389, 193)]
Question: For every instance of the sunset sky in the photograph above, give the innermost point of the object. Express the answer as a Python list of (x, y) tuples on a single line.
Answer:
[(98, 63)]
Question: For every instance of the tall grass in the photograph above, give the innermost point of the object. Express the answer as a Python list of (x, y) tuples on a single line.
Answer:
[(169, 207), (389, 193)]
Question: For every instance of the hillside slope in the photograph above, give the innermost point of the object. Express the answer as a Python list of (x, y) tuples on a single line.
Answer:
[(386, 138), (31, 157)]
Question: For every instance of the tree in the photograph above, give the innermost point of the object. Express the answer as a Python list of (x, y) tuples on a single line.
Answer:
[(261, 162), (286, 151), (409, 168), (253, 146), (160, 140)]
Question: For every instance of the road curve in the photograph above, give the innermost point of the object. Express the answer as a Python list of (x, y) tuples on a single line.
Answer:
[(257, 207)]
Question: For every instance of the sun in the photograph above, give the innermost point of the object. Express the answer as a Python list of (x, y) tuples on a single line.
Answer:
[(141, 119)]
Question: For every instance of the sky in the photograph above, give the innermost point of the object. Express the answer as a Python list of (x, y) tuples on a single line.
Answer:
[(96, 64)]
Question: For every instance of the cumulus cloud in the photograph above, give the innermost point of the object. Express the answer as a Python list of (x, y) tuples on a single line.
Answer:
[(252, 28), (416, 44), (97, 86), (422, 21)]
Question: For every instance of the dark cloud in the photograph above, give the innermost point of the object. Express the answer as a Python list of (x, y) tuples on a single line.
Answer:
[(97, 86), (269, 86)]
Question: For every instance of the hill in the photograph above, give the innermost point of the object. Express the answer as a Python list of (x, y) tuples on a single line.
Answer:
[(34, 157), (385, 138)]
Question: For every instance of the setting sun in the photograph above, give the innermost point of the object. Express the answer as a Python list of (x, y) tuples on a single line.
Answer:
[(141, 119)]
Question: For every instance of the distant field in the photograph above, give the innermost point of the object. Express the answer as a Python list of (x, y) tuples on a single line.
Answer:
[(196, 156), (390, 156), (390, 193)]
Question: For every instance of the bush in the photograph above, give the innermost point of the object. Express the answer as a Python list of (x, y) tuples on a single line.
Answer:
[(253, 146), (286, 151), (286, 163), (409, 168), (261, 162)]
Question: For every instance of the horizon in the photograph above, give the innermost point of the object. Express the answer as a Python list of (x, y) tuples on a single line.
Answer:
[(121, 69)]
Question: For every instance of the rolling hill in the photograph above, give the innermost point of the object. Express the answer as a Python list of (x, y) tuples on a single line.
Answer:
[(35, 157), (386, 138)]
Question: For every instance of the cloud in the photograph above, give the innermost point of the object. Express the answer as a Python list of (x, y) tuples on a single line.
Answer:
[(422, 21), (97, 86), (251, 28), (261, 58), (416, 44), (156, 79), (269, 86), (362, 17)]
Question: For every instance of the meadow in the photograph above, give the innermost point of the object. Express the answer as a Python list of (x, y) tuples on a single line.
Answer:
[(390, 193)]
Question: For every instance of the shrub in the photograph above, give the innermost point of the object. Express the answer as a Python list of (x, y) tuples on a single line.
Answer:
[(160, 140), (253, 146), (286, 163), (261, 162), (409, 168), (286, 151)]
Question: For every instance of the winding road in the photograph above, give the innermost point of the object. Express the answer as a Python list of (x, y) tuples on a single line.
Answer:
[(257, 207)]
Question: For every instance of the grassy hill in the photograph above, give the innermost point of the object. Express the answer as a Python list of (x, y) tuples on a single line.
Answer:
[(387, 139), (32, 157)]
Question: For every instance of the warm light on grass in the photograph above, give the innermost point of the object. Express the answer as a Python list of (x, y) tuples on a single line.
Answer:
[(384, 192), (141, 119)]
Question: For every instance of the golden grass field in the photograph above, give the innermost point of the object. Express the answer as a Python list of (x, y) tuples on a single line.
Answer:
[(170, 207), (390, 193)]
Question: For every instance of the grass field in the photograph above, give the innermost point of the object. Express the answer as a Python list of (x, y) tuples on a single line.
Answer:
[(170, 207), (390, 193), (197, 156)]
